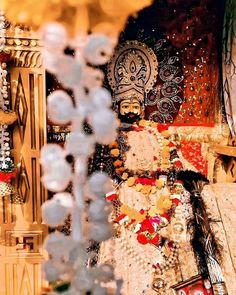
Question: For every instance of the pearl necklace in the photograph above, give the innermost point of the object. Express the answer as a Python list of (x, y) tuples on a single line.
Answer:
[(148, 266)]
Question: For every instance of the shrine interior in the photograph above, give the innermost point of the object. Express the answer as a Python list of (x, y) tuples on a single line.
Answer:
[(118, 147)]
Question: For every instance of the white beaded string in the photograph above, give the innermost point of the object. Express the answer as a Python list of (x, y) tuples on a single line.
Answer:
[(147, 265), (4, 101)]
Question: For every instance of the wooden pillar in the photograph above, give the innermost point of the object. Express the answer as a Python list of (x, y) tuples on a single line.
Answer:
[(22, 230)]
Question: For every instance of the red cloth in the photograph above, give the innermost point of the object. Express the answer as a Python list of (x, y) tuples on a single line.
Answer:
[(192, 152), (7, 176)]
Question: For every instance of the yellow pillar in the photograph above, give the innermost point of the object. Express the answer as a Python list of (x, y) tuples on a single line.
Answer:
[(22, 231)]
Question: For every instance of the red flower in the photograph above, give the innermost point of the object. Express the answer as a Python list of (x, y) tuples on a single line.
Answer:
[(153, 182), (146, 225), (142, 211), (178, 164), (119, 218), (166, 216), (155, 240), (137, 128), (176, 201), (142, 239), (154, 158), (171, 144), (7, 176), (162, 127), (111, 196), (145, 181)]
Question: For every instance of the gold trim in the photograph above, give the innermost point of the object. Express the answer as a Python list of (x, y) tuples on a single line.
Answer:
[(26, 53), (187, 282), (224, 150), (217, 134)]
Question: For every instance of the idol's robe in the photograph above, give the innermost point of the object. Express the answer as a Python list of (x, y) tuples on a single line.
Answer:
[(135, 262)]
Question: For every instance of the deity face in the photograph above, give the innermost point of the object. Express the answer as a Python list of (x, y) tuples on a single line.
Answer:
[(130, 106), (130, 110)]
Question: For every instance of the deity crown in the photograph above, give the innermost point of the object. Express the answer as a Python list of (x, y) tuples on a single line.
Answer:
[(132, 71)]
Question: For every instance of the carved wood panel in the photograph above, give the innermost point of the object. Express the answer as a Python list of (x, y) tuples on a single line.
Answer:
[(22, 231)]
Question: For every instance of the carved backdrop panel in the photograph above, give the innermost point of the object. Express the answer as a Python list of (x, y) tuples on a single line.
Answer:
[(22, 231)]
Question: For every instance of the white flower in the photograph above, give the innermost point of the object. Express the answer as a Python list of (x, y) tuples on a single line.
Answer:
[(99, 49), (72, 291), (92, 78), (100, 97), (69, 71), (59, 246), (99, 210), (52, 271), (104, 123), (64, 199), (79, 144), (51, 153), (77, 255), (60, 107), (54, 37), (99, 184), (57, 178), (83, 280), (98, 290), (53, 213), (100, 231), (50, 61)]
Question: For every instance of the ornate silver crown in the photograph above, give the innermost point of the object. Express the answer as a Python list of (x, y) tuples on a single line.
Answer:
[(132, 71)]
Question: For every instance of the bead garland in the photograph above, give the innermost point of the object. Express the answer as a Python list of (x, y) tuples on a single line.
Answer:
[(2, 30), (7, 118), (148, 266)]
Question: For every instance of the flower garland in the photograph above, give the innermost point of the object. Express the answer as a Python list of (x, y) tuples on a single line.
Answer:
[(166, 160), (147, 223)]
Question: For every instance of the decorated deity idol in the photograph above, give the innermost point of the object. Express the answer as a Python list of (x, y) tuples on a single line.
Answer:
[(150, 205)]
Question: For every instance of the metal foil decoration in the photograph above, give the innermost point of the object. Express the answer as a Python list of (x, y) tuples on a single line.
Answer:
[(165, 99), (132, 71)]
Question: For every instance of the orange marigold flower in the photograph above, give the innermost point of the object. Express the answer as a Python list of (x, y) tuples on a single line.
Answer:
[(115, 152), (119, 170), (114, 145), (118, 163)]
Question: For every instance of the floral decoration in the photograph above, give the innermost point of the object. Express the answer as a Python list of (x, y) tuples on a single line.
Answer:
[(166, 160), (147, 223)]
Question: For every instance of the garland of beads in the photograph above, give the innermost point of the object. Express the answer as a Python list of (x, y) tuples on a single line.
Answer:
[(6, 163), (148, 266), (2, 30)]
